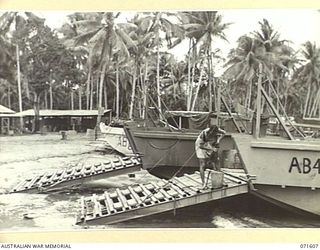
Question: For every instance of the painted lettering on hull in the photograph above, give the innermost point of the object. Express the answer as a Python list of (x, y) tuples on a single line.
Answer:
[(305, 166)]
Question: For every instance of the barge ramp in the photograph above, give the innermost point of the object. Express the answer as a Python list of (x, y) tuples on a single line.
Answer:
[(140, 200), (75, 176)]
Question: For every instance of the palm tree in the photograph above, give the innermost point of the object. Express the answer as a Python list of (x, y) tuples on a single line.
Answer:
[(159, 24), (104, 38), (309, 73), (243, 65), (142, 37), (205, 27)]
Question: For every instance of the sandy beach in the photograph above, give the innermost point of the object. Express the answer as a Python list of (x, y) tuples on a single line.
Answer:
[(25, 156)]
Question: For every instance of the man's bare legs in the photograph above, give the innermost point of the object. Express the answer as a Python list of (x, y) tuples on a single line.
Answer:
[(203, 164)]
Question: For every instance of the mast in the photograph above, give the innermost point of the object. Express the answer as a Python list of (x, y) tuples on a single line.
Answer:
[(19, 87), (258, 113)]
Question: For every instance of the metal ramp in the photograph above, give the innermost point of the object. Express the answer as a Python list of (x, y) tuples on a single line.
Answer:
[(141, 200), (76, 175)]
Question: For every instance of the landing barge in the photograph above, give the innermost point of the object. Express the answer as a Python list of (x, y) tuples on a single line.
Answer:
[(286, 168)]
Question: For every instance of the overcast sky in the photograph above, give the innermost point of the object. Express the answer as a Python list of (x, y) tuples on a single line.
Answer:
[(296, 25)]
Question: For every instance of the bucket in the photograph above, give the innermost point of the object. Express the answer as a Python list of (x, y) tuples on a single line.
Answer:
[(216, 179)]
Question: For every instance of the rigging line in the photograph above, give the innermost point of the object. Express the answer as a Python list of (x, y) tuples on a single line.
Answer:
[(164, 148), (166, 107), (160, 113), (238, 115), (283, 110), (168, 181)]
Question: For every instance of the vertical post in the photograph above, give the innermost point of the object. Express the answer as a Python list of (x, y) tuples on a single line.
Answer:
[(158, 76), (209, 83), (19, 87), (117, 92), (218, 103), (258, 113)]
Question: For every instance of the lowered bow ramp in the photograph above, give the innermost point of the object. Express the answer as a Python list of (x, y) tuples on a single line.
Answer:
[(75, 176), (141, 200)]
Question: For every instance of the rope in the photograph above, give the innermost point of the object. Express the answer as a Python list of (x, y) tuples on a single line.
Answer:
[(168, 181), (164, 148), (283, 110)]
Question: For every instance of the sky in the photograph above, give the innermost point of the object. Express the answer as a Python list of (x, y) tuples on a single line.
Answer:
[(295, 25)]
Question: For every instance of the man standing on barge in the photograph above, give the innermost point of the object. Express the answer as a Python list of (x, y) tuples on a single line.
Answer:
[(206, 146)]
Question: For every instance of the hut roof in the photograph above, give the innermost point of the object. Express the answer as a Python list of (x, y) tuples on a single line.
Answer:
[(60, 113), (5, 110)]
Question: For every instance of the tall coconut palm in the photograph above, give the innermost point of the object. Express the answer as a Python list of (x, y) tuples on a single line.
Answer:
[(309, 75), (279, 53), (205, 27), (139, 31), (160, 24), (243, 65), (104, 38)]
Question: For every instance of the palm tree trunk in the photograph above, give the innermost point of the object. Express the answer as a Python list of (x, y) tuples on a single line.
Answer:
[(97, 92), (91, 93), (158, 75), (72, 99), (209, 81), (105, 96), (80, 97), (133, 93), (46, 99), (9, 96), (213, 86), (189, 75), (249, 94), (103, 73), (36, 108), (51, 96), (198, 88), (307, 99), (145, 95), (19, 86), (26, 86), (117, 92), (88, 83)]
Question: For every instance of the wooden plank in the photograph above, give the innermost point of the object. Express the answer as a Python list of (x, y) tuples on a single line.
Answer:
[(19, 186), (232, 179), (135, 196), (122, 199), (109, 203), (49, 180), (96, 206), (156, 192), (193, 179), (62, 174), (185, 186), (149, 194), (69, 173), (169, 189), (117, 205), (131, 201), (32, 182), (163, 192), (83, 210), (181, 192)]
